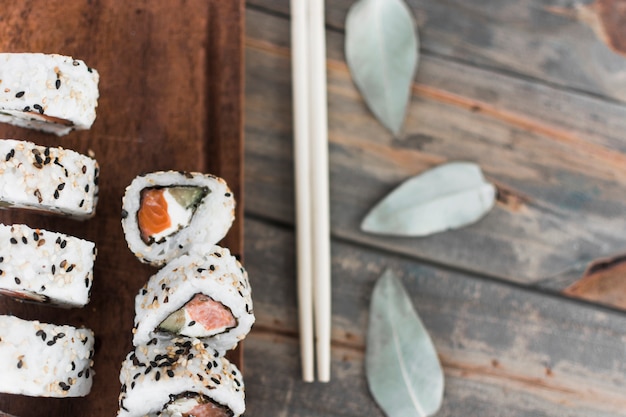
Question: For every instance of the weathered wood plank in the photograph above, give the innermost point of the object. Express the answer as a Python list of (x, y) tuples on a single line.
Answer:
[(506, 351), (557, 158), (575, 44)]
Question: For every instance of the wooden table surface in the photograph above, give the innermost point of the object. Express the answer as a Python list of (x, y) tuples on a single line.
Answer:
[(533, 91)]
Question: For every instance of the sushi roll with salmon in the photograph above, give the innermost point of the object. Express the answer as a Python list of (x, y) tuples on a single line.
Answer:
[(52, 93), (179, 377), (45, 360), (48, 267), (48, 179), (205, 295), (164, 214)]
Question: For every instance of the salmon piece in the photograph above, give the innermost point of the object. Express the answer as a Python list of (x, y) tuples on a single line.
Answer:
[(208, 410), (152, 216), (210, 313)]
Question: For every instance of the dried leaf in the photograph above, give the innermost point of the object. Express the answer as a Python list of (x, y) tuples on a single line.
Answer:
[(382, 54), (446, 197), (402, 367)]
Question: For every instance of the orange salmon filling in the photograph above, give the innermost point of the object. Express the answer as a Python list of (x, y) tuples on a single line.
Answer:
[(208, 410), (152, 216), (209, 313)]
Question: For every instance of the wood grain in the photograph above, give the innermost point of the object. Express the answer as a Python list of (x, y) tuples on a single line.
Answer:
[(506, 351), (570, 45), (170, 98), (561, 173)]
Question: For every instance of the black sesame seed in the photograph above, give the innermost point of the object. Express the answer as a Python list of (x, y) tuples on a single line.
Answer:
[(190, 356), (54, 268), (227, 195), (86, 282), (87, 188), (81, 203), (132, 385), (73, 366), (166, 299), (144, 291), (124, 214), (41, 334), (170, 373), (157, 376), (64, 386), (38, 108), (35, 236), (61, 186), (57, 84), (46, 152), (56, 194), (212, 267), (87, 373), (51, 342), (27, 108), (63, 244), (70, 268), (191, 323), (1, 258), (75, 63), (20, 364), (20, 94), (17, 281), (80, 374), (38, 159), (200, 270), (60, 336), (14, 241), (217, 381), (9, 156), (24, 240)]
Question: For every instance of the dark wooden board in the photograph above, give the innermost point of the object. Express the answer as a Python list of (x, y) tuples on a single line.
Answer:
[(560, 172), (506, 350), (171, 93)]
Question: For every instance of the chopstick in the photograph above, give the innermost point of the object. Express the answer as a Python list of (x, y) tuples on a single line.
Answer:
[(312, 190)]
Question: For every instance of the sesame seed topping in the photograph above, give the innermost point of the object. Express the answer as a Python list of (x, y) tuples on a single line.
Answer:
[(20, 94)]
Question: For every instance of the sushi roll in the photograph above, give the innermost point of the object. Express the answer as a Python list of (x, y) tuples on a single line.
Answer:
[(45, 360), (164, 214), (204, 294), (48, 179), (52, 93), (37, 265), (180, 377)]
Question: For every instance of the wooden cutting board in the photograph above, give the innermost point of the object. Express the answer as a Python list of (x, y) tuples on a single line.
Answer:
[(171, 91)]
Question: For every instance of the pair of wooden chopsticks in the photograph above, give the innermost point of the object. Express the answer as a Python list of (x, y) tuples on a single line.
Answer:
[(308, 48)]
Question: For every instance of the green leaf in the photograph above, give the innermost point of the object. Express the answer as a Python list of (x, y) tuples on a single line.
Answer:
[(402, 367), (446, 197), (382, 54)]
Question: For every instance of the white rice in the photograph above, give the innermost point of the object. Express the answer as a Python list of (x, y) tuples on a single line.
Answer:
[(210, 223), (213, 272), (37, 265), (48, 179), (153, 372), (52, 93), (45, 360)]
